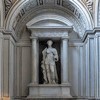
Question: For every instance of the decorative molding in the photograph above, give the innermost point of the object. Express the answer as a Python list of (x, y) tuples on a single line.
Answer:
[(31, 4), (81, 20), (10, 33), (73, 9), (54, 32), (27, 6), (58, 34), (78, 27), (77, 13), (40, 2), (18, 17), (4, 32), (89, 5), (67, 5), (8, 5)]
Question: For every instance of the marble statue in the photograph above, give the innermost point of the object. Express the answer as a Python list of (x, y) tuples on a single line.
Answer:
[(48, 64)]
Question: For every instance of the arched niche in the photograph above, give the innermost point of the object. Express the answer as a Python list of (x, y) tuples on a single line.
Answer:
[(50, 14), (53, 20), (26, 10)]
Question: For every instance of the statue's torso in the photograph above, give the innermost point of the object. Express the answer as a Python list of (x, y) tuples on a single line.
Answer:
[(50, 56)]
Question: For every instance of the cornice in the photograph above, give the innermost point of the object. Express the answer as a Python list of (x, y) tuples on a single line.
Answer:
[(90, 32), (8, 32)]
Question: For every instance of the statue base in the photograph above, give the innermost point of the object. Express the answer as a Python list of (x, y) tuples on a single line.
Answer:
[(49, 91)]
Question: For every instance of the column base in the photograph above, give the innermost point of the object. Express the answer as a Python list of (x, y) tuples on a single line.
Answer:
[(49, 91)]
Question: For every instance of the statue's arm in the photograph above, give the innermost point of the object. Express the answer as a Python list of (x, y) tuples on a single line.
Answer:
[(56, 55), (44, 54)]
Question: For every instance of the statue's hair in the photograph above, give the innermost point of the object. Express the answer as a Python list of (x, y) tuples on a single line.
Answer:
[(49, 41)]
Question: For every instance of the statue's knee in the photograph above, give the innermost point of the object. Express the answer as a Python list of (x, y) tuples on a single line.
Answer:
[(52, 68), (43, 71)]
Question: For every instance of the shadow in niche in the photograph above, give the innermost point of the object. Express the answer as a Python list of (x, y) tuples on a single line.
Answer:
[(42, 46)]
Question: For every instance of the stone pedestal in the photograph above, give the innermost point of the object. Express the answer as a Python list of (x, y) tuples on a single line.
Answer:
[(50, 90)]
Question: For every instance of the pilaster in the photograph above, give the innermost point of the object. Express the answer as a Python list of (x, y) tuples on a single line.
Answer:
[(1, 64), (64, 60), (35, 69)]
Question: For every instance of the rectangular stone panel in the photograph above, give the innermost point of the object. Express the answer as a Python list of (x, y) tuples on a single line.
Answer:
[(6, 68)]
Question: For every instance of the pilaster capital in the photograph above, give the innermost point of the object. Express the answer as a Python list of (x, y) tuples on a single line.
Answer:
[(65, 38), (8, 32)]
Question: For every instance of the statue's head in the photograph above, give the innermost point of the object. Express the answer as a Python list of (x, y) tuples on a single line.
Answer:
[(49, 42)]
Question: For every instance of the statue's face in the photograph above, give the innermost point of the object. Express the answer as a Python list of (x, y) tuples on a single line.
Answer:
[(49, 43)]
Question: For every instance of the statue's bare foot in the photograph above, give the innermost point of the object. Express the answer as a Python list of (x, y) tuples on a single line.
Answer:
[(53, 82), (45, 83)]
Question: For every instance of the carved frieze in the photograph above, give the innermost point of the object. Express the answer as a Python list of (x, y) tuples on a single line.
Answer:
[(49, 34)]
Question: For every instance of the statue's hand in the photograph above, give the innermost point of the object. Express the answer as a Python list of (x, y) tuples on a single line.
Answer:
[(56, 59)]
